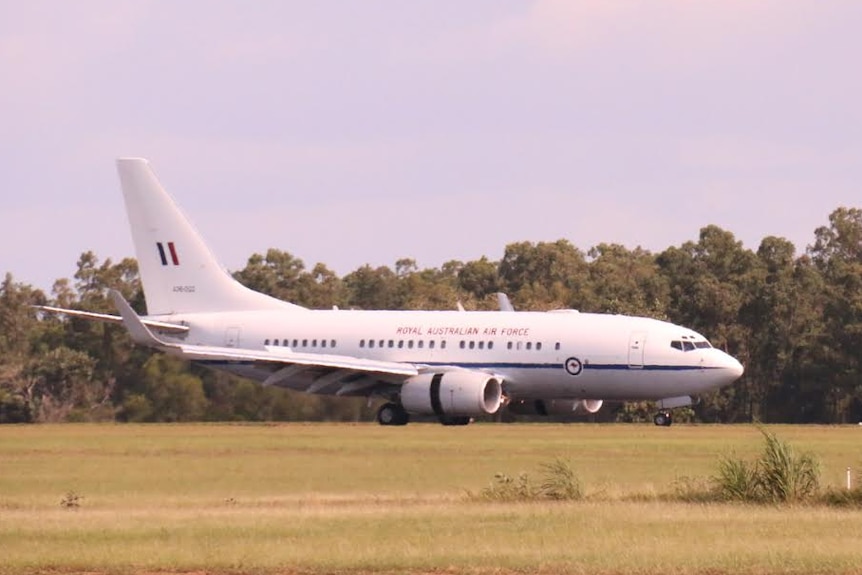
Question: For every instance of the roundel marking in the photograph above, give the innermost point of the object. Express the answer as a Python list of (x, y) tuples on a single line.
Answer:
[(574, 366)]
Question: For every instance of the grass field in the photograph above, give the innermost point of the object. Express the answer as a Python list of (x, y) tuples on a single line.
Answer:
[(364, 498)]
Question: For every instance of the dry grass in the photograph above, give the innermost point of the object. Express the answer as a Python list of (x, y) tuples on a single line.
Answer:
[(342, 498)]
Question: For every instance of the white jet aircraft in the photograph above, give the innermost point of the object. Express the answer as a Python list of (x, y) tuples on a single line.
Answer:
[(453, 365)]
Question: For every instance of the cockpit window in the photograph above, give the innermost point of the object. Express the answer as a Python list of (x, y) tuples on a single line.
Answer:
[(688, 345)]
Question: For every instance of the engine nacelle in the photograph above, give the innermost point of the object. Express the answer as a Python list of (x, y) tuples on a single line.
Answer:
[(455, 393), (590, 405), (547, 407)]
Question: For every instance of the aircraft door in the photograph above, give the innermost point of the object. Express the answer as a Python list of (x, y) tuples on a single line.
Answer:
[(231, 337), (637, 342)]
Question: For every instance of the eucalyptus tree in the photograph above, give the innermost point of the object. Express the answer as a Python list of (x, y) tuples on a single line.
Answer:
[(837, 254)]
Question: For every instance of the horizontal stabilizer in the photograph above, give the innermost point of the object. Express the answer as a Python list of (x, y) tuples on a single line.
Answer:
[(163, 326)]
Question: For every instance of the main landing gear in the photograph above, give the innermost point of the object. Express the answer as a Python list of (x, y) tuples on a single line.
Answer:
[(392, 414), (663, 419)]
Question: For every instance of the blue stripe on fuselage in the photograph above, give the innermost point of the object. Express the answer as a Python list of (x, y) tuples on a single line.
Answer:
[(479, 365)]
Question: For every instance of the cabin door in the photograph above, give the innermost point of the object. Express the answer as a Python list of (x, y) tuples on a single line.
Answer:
[(637, 341)]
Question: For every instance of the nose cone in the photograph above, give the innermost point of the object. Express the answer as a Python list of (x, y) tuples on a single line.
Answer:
[(734, 369)]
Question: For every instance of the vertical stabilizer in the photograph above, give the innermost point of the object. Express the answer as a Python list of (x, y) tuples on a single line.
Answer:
[(178, 271)]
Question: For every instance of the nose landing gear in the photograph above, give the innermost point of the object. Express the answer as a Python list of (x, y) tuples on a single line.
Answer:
[(663, 419)]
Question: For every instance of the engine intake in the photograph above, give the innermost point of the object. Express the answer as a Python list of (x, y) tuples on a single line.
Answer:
[(452, 393)]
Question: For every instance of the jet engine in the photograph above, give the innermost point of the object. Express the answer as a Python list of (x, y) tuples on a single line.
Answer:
[(452, 393), (547, 407)]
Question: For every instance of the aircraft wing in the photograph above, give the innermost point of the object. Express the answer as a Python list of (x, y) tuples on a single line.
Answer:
[(284, 356), (312, 373), (163, 326)]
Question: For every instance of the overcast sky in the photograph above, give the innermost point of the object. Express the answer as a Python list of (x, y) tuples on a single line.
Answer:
[(363, 132)]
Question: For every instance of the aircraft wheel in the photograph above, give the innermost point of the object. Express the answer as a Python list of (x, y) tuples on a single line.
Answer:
[(663, 419), (392, 414)]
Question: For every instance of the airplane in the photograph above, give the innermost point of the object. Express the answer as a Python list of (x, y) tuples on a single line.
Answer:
[(450, 365)]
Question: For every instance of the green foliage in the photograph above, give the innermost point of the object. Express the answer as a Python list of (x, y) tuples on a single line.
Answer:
[(14, 408), (174, 394), (737, 480), (778, 476), (783, 476)]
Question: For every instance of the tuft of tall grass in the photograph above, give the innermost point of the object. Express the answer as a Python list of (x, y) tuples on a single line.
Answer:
[(737, 480), (843, 497), (784, 476), (558, 483), (779, 476)]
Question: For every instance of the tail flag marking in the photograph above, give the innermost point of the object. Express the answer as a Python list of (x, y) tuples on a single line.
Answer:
[(172, 250)]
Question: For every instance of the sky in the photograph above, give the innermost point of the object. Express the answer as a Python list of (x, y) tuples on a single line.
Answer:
[(355, 133)]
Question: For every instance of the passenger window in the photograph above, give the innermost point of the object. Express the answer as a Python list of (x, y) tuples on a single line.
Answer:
[(472, 344), (462, 345), (481, 345), (420, 343), (361, 343), (332, 343), (490, 345), (557, 346), (382, 343), (538, 346), (323, 343), (410, 344), (314, 343), (400, 343), (370, 343), (305, 343), (391, 343), (266, 342), (529, 345), (443, 344), (431, 344), (295, 343), (509, 345)]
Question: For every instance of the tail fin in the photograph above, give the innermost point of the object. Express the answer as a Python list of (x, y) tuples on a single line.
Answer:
[(178, 271)]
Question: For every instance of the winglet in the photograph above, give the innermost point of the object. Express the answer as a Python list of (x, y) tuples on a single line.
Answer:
[(140, 333), (504, 303)]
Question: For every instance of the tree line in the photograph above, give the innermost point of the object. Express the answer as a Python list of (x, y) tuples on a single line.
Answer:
[(794, 321)]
